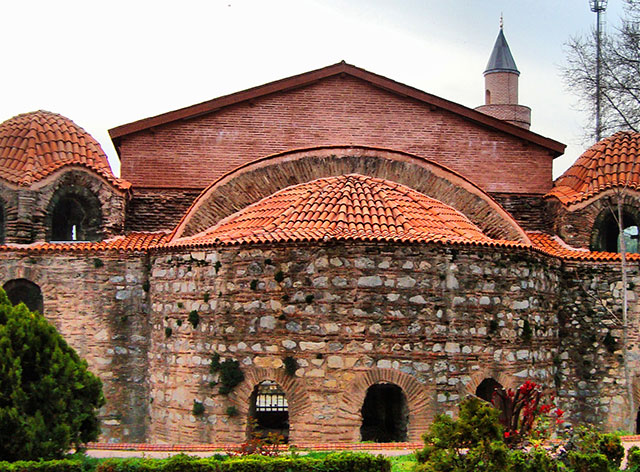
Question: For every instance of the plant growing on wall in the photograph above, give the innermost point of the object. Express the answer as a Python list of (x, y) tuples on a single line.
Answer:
[(198, 408), (229, 373), (194, 318), (290, 365)]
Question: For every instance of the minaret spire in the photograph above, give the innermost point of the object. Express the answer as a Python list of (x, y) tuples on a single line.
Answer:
[(501, 85)]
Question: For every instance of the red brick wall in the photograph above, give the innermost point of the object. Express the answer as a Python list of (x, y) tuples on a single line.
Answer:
[(193, 153), (503, 87)]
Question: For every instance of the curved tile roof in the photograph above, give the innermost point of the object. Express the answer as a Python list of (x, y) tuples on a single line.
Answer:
[(554, 246), (610, 163), (342, 207), (132, 242), (34, 145)]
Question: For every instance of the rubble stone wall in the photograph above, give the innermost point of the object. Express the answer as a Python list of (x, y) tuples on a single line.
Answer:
[(98, 303), (434, 321), (591, 379)]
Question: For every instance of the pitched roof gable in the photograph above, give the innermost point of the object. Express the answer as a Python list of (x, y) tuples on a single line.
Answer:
[(308, 78)]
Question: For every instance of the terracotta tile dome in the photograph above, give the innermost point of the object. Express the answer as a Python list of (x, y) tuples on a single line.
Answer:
[(34, 145), (343, 207), (611, 162)]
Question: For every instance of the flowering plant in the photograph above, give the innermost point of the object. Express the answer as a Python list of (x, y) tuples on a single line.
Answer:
[(522, 414)]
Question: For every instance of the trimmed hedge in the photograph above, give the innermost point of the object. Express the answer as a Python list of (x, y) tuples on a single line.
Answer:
[(340, 462), (43, 466)]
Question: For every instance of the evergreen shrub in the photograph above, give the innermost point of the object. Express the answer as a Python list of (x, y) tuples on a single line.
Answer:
[(48, 397)]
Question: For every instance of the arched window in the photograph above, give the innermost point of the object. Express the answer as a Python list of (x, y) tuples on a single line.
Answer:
[(606, 232), (385, 414), (269, 411), (486, 388), (74, 215), (25, 291), (487, 97)]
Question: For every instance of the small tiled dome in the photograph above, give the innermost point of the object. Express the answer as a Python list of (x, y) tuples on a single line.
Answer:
[(343, 207), (610, 163), (34, 145)]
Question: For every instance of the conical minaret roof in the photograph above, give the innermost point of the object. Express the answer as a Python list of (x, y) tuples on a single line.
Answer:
[(501, 59)]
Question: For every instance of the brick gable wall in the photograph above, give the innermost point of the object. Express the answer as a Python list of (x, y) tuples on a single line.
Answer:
[(337, 110)]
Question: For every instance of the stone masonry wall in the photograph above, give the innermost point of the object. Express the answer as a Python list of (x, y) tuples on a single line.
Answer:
[(98, 303), (591, 380), (436, 321)]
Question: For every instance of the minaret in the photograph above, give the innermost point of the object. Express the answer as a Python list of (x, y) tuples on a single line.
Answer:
[(501, 86)]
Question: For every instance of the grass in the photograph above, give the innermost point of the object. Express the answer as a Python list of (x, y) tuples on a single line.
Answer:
[(403, 463)]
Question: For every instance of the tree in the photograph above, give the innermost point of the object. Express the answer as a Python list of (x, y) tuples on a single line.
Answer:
[(619, 74), (48, 398)]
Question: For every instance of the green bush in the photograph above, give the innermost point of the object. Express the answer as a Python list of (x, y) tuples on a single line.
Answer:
[(535, 460), (340, 462), (588, 462), (471, 443), (48, 397), (44, 466), (633, 458), (587, 447), (612, 448)]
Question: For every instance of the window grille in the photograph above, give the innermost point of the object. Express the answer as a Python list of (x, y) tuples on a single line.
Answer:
[(270, 398)]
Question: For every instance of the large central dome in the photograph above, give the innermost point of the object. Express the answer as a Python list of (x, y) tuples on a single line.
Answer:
[(343, 207)]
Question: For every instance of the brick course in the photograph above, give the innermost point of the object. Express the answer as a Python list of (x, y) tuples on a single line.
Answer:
[(337, 110)]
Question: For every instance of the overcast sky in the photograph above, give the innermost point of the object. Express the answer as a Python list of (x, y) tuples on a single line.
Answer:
[(107, 63)]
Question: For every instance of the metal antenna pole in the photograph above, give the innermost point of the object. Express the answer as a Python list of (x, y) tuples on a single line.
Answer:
[(598, 6)]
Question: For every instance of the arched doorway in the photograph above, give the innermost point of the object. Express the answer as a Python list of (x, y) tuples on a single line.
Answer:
[(25, 291), (385, 414), (486, 388), (269, 411)]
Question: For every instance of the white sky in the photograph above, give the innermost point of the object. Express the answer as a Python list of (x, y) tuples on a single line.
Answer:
[(107, 63)]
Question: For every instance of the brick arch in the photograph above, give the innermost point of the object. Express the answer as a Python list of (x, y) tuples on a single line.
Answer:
[(418, 400), (258, 179), (102, 195), (297, 397), (25, 290), (504, 379), (605, 218)]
